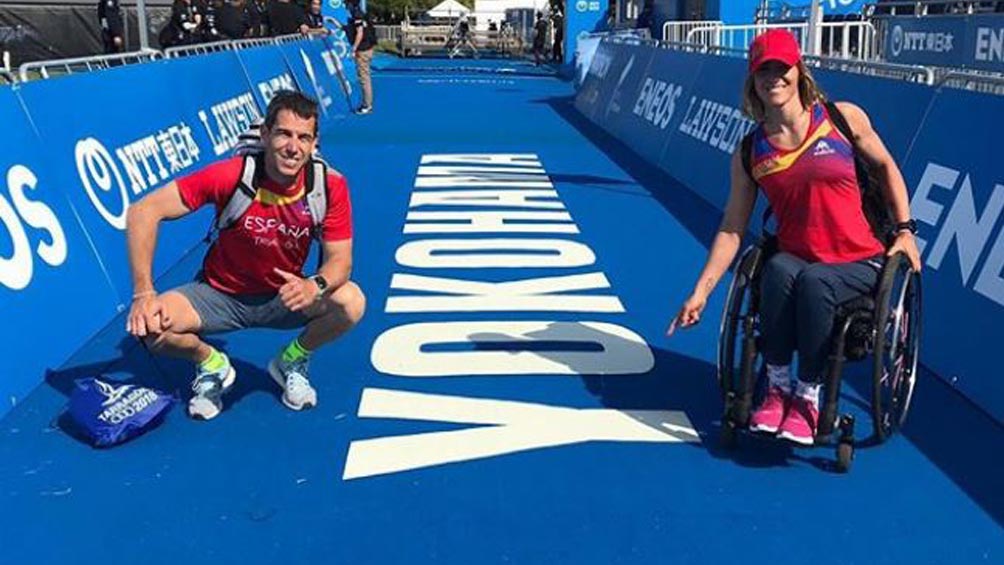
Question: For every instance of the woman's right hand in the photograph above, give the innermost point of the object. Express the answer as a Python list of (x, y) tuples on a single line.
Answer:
[(689, 315)]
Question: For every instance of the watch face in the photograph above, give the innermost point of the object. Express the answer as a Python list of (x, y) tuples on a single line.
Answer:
[(321, 283)]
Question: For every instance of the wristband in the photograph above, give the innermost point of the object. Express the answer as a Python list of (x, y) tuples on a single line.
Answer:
[(909, 225), (144, 293)]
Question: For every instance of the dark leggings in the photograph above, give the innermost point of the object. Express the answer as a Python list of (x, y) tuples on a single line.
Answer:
[(797, 306)]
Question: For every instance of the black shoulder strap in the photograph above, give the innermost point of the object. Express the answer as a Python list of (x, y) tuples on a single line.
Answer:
[(746, 154), (838, 119)]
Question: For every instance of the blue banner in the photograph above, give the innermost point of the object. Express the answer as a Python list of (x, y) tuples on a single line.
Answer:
[(265, 67), (582, 17), (710, 126), (956, 177), (53, 292), (157, 132), (80, 149), (970, 42), (308, 72)]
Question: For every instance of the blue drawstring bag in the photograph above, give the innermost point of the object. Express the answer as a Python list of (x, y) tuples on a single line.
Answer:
[(108, 414)]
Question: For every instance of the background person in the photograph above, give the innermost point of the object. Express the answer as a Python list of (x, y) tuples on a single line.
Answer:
[(110, 19), (362, 35)]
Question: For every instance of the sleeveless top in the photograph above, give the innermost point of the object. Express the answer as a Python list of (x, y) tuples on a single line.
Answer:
[(814, 193)]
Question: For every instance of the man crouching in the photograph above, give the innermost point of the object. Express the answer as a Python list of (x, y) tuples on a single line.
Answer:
[(269, 205)]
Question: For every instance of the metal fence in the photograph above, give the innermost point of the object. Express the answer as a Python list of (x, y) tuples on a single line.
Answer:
[(931, 7), (969, 80), (677, 31), (987, 83), (46, 69), (854, 39), (59, 67)]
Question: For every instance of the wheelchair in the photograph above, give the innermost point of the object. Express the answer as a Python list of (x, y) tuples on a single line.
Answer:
[(885, 326)]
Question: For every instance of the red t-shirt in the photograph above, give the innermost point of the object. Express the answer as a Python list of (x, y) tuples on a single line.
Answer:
[(275, 232), (814, 192)]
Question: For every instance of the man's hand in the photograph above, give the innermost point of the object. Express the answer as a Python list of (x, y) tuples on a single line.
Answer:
[(906, 243), (297, 293), (147, 316)]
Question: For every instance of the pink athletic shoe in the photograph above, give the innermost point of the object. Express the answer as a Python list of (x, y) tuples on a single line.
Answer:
[(799, 424), (767, 418)]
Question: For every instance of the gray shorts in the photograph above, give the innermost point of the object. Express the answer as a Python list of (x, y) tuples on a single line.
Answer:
[(222, 312)]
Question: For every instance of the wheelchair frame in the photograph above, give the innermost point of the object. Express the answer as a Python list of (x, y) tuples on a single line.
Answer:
[(894, 350)]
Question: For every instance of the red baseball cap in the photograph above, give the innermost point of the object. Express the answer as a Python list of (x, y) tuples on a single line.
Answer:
[(774, 45)]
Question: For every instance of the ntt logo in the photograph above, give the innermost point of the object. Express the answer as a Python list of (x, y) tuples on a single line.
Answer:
[(897, 41)]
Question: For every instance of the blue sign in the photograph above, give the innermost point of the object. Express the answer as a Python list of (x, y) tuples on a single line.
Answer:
[(972, 42), (157, 132), (266, 69), (957, 183), (53, 291)]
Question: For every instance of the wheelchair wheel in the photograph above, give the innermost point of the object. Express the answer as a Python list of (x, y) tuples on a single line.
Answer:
[(896, 345), (737, 318)]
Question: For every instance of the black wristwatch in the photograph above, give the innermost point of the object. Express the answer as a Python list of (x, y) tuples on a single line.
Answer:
[(321, 283), (909, 225)]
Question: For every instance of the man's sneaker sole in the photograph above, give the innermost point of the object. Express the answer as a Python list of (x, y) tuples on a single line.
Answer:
[(800, 440), (200, 408), (276, 374)]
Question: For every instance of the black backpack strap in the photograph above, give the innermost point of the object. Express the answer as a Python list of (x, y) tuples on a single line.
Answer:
[(838, 119), (746, 154), (875, 207)]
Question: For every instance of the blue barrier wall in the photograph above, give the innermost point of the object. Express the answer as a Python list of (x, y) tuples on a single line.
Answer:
[(79, 149), (681, 111), (961, 41)]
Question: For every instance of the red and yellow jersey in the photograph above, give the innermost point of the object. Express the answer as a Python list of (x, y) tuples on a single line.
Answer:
[(814, 193), (274, 232)]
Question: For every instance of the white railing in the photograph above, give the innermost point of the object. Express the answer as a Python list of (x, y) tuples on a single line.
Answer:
[(677, 31), (913, 73), (973, 80), (838, 39), (198, 49), (929, 7), (76, 64)]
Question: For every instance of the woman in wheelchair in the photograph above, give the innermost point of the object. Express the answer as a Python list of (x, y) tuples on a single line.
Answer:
[(827, 253)]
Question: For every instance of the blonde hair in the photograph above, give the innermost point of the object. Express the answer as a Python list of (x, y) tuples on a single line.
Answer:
[(808, 92)]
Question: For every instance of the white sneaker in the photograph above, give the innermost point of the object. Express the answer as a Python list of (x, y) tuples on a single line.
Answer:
[(207, 403), (297, 394)]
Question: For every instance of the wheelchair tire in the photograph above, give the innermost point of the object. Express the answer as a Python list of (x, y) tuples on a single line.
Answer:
[(740, 294), (896, 345)]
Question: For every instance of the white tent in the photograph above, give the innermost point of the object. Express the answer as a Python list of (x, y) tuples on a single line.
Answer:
[(448, 9)]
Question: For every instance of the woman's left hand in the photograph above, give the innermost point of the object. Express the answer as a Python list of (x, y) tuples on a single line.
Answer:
[(906, 243)]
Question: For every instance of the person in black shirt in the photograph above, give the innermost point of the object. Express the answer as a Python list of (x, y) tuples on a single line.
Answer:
[(539, 36), (256, 12), (557, 50), (232, 20), (285, 17), (360, 31), (315, 20), (181, 29), (208, 30), (110, 17)]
